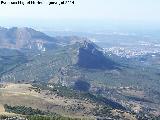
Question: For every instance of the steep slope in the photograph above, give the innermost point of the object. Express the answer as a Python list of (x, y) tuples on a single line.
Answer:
[(90, 56), (61, 63), (78, 64), (18, 38), (9, 59)]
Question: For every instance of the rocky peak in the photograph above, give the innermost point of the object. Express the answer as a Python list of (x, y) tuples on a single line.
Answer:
[(18, 38), (91, 56)]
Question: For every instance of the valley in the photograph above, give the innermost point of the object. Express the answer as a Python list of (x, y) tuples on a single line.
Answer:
[(73, 77)]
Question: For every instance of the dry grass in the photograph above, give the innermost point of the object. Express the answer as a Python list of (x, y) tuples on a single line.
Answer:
[(23, 94), (125, 115), (2, 111), (2, 108)]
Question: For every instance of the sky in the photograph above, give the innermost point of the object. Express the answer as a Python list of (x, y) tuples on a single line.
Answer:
[(91, 13)]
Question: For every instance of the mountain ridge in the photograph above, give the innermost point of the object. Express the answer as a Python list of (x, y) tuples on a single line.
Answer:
[(18, 38), (77, 52), (76, 67)]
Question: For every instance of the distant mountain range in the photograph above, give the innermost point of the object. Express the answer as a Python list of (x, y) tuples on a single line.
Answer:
[(30, 56), (28, 38), (17, 38), (67, 51)]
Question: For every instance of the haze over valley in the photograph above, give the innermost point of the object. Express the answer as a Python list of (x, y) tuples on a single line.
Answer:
[(73, 75)]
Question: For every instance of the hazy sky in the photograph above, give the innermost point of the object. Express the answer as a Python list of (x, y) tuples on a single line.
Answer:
[(139, 12)]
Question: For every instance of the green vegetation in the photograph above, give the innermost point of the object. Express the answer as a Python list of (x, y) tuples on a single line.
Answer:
[(23, 110), (10, 59), (37, 117), (34, 114), (70, 63), (103, 112), (64, 91), (143, 116)]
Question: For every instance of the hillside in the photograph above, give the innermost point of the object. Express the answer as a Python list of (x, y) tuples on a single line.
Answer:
[(18, 38), (75, 68)]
